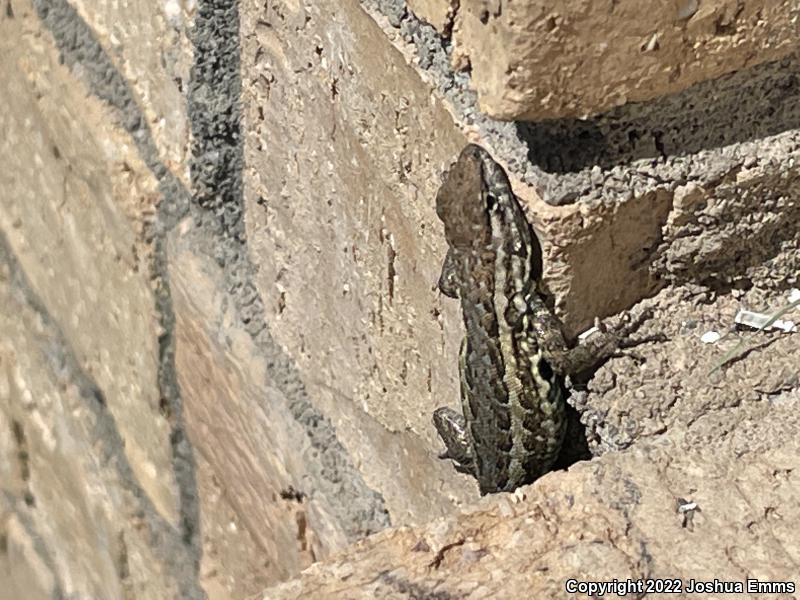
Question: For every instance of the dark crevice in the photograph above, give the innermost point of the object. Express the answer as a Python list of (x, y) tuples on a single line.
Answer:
[(576, 444)]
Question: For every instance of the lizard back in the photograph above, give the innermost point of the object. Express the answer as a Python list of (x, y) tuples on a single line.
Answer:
[(512, 401)]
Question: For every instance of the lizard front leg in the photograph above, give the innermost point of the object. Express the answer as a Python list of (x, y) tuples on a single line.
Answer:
[(593, 351)]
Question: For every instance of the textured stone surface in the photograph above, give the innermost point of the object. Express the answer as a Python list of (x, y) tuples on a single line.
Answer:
[(246, 468), (221, 341), (616, 517), (438, 13), (676, 384), (77, 519), (340, 222), (604, 256), (533, 60), (92, 498)]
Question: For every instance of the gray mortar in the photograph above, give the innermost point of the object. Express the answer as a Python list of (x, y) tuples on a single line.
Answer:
[(696, 135)]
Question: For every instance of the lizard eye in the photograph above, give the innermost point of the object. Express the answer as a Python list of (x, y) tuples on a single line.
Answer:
[(490, 201)]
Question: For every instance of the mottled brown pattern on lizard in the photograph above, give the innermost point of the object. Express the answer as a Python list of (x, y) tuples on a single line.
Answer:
[(514, 354)]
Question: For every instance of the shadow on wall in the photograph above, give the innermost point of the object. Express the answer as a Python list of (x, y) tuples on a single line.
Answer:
[(748, 105)]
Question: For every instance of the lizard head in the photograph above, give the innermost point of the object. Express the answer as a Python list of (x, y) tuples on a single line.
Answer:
[(461, 200)]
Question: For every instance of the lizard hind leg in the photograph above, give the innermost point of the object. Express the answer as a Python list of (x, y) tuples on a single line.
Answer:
[(452, 428), (448, 280)]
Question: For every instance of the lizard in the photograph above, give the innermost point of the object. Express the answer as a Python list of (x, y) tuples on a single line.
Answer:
[(514, 355)]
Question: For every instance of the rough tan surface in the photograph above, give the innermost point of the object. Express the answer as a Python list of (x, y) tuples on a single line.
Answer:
[(52, 186), (616, 517), (220, 341), (75, 516), (236, 439), (676, 385), (347, 267), (437, 13), (533, 60), (87, 483)]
